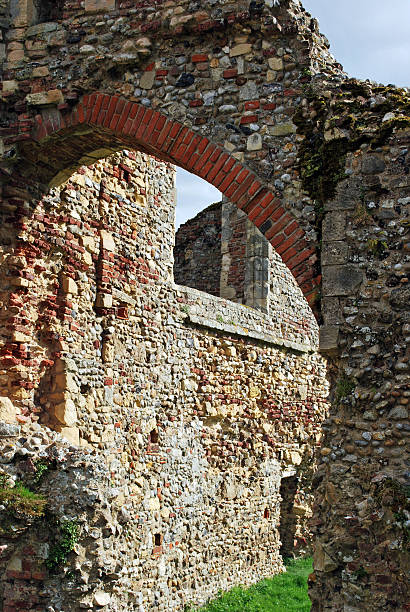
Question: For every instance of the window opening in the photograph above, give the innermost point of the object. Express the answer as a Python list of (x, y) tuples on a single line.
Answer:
[(288, 519), (157, 539)]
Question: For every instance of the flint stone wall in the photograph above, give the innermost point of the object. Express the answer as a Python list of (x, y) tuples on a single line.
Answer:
[(239, 264), (248, 97), (192, 409)]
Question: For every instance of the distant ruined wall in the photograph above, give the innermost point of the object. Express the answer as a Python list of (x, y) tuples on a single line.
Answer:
[(239, 264), (184, 412), (197, 251)]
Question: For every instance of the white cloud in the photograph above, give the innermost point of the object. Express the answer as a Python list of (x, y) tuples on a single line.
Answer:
[(193, 195), (369, 37)]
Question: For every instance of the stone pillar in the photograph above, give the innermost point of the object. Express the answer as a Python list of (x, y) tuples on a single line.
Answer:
[(361, 515)]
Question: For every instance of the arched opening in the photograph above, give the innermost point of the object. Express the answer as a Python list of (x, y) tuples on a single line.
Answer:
[(101, 124), (118, 352)]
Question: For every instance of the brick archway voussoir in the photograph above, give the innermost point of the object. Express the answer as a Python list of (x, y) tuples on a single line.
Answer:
[(170, 140)]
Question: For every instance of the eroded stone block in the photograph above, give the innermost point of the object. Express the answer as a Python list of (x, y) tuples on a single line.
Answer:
[(341, 280)]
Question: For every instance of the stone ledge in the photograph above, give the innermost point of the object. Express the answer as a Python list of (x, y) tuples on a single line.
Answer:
[(217, 313), (248, 333)]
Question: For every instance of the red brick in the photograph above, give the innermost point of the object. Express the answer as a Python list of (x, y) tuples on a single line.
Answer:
[(217, 166), (195, 59), (249, 119), (202, 145), (278, 226), (294, 261), (150, 126), (229, 178), (255, 212), (241, 189), (96, 109), (190, 150), (111, 110), (204, 157), (242, 176), (174, 144), (230, 73), (144, 121), (264, 216), (164, 133)]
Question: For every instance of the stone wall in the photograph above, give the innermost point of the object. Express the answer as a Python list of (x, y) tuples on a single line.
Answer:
[(185, 410), (247, 96), (239, 264), (197, 251)]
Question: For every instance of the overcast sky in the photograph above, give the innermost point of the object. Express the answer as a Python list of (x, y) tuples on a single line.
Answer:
[(371, 38)]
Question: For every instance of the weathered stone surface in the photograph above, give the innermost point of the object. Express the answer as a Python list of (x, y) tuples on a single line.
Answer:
[(66, 412), (341, 280), (51, 97), (99, 5), (147, 79), (240, 49), (282, 129), (8, 411), (328, 341)]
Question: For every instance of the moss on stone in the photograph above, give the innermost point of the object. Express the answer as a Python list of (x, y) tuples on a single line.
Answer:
[(388, 128)]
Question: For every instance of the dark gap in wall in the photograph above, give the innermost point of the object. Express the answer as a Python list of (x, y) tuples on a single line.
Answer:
[(153, 436), (287, 527), (158, 539), (49, 10)]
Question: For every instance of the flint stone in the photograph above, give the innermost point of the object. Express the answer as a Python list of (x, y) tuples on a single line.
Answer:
[(41, 28), (147, 79), (254, 142), (101, 598), (9, 430), (398, 412), (373, 165), (249, 91)]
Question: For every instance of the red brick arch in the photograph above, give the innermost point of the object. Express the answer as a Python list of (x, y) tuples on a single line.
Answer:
[(151, 131)]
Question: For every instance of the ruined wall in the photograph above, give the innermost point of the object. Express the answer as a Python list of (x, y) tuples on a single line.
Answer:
[(239, 264), (187, 409), (197, 251), (248, 97)]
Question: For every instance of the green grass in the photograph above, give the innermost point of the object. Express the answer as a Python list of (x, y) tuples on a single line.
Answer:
[(283, 593), (21, 500)]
